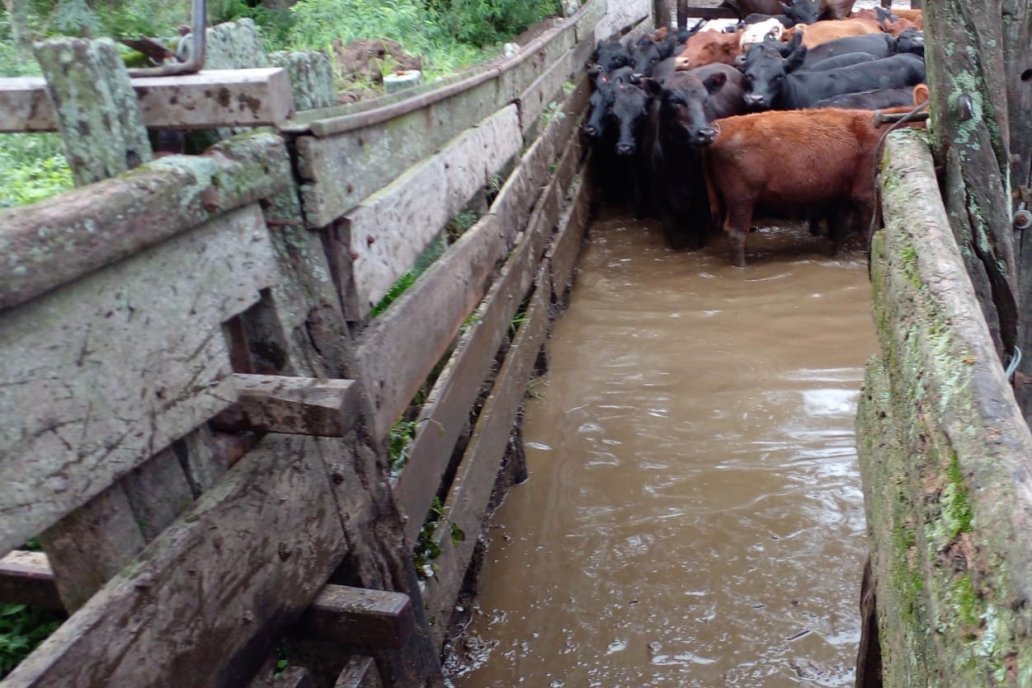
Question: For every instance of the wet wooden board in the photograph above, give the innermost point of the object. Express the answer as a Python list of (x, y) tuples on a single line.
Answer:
[(26, 578), (97, 379), (294, 405), (448, 406), (398, 350), (64, 237), (622, 15), (546, 89), (467, 501), (218, 97), (344, 163), (394, 362), (389, 230), (590, 16), (564, 253), (358, 617), (211, 594), (360, 672)]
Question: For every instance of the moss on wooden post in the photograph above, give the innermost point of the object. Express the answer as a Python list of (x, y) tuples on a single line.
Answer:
[(311, 77), (967, 77), (945, 456), (95, 107)]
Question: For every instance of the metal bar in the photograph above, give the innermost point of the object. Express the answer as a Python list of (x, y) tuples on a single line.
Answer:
[(198, 38)]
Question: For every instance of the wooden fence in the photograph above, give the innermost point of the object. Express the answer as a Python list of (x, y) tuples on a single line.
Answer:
[(196, 392)]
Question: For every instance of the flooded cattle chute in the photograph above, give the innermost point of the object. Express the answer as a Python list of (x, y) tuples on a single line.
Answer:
[(694, 513)]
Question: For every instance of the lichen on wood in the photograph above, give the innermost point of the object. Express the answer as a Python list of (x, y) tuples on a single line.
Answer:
[(95, 107), (945, 455)]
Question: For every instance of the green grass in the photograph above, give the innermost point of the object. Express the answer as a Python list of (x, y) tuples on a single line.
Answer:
[(21, 630), (33, 167)]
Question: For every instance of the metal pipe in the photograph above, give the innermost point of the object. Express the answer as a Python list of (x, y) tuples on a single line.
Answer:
[(198, 39)]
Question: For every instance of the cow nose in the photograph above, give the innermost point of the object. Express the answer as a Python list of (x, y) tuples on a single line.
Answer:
[(591, 131), (754, 99), (624, 149), (707, 135)]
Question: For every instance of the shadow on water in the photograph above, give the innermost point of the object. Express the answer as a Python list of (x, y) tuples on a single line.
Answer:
[(694, 514)]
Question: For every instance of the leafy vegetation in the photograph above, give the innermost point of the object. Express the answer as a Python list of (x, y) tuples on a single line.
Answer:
[(33, 167), (21, 630)]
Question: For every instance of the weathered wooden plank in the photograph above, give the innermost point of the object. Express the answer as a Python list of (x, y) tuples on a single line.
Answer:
[(94, 107), (65, 237), (587, 19), (358, 617), (94, 380), (344, 169), (291, 677), (158, 491), (359, 673), (951, 493), (293, 405), (207, 598), (446, 411), (467, 501), (389, 230), (620, 16), (564, 252), (368, 148), (311, 77), (217, 97), (200, 458), (968, 90), (392, 360), (91, 544), (546, 89), (26, 578), (396, 364)]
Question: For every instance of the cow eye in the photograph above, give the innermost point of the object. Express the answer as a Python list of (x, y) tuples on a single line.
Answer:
[(676, 101), (654, 60), (779, 77), (749, 77)]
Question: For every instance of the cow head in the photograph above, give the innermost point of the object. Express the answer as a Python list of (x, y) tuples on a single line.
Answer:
[(601, 100), (765, 72), (910, 41), (801, 11), (708, 47), (610, 55), (648, 53), (682, 105), (629, 109)]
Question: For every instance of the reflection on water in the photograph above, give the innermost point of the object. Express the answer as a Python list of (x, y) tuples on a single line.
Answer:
[(694, 514)]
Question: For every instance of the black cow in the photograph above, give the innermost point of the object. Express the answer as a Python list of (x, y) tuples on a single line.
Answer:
[(773, 82), (798, 12), (870, 100), (610, 55), (843, 60), (679, 119), (910, 41), (600, 101), (648, 53)]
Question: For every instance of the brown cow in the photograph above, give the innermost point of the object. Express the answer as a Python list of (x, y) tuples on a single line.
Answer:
[(830, 9), (824, 31), (790, 160), (709, 47)]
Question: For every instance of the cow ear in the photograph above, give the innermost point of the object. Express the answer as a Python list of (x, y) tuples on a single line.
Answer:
[(652, 87), (715, 82), (787, 49), (795, 60)]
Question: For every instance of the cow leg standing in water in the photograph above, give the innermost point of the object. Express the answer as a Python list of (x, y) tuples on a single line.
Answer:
[(790, 160)]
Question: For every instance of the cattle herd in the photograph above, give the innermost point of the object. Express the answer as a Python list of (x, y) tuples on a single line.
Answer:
[(703, 126)]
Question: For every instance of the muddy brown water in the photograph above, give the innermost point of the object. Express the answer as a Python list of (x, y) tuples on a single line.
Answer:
[(694, 515)]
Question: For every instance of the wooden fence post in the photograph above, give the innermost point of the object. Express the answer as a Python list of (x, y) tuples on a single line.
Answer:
[(969, 121), (95, 107)]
